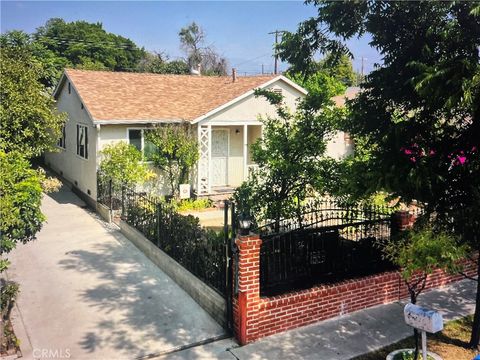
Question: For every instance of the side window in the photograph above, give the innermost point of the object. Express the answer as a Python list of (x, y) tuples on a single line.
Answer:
[(82, 141), (135, 138), (61, 142)]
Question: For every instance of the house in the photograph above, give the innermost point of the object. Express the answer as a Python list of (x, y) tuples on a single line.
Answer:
[(106, 107)]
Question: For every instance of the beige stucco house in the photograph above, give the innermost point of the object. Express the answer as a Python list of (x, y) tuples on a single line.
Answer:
[(107, 107)]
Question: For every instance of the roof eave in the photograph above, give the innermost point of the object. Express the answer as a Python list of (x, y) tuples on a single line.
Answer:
[(248, 93), (137, 121)]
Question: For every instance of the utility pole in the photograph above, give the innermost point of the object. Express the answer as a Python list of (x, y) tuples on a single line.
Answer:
[(363, 60), (276, 32), (262, 70)]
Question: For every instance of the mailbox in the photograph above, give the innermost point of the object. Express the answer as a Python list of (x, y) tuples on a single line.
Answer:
[(423, 319)]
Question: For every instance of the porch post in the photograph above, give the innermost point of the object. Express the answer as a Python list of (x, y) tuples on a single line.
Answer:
[(245, 151), (199, 165), (209, 127)]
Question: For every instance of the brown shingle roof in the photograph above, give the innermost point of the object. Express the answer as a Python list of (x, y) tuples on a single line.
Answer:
[(141, 96)]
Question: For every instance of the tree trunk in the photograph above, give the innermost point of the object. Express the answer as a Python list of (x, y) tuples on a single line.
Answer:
[(413, 300), (475, 336)]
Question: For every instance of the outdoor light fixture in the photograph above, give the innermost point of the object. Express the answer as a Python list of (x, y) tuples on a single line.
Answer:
[(237, 131), (244, 223)]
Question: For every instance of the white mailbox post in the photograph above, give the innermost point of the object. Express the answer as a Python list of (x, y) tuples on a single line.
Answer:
[(424, 320)]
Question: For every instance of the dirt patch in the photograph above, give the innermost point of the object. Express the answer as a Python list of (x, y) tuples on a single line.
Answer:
[(450, 344)]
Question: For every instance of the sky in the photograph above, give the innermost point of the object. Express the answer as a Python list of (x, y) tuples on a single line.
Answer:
[(238, 30)]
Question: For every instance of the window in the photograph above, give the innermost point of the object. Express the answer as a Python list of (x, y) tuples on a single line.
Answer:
[(69, 88), (82, 141), (136, 137), (61, 142)]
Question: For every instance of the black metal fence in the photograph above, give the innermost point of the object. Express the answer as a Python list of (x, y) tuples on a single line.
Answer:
[(201, 251), (327, 242)]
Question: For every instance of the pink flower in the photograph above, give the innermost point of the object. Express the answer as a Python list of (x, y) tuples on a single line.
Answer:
[(462, 159), (432, 152), (412, 159), (408, 152)]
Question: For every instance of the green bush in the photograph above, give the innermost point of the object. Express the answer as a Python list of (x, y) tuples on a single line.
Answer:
[(191, 204)]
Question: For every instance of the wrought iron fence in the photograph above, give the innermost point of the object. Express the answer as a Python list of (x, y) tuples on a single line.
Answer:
[(201, 251), (326, 242)]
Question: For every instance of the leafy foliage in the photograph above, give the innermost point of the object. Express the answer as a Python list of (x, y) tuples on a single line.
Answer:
[(416, 123), (87, 45), (20, 197), (419, 253), (123, 162), (175, 152), (158, 63), (29, 124), (194, 204), (291, 159)]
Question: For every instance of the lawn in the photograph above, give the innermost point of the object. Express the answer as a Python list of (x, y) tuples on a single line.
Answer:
[(450, 344)]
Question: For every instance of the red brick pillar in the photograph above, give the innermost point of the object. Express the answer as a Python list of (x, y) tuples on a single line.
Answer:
[(402, 220), (248, 297)]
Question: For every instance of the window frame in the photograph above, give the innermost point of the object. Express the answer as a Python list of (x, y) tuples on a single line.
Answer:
[(142, 141), (85, 157), (62, 141)]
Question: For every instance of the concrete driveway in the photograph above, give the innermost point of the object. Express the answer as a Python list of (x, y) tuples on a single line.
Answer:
[(88, 293)]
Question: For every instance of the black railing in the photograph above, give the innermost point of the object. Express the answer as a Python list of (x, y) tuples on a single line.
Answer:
[(201, 251), (327, 242)]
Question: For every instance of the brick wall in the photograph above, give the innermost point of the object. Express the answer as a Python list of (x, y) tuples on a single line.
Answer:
[(256, 317)]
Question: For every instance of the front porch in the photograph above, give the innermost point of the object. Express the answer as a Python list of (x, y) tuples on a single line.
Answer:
[(225, 155)]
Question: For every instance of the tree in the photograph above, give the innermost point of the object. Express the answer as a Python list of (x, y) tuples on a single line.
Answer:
[(29, 123), (20, 197), (175, 151), (418, 253), (158, 63), (417, 117), (124, 163), (339, 68), (86, 45), (192, 40), (291, 158), (51, 65)]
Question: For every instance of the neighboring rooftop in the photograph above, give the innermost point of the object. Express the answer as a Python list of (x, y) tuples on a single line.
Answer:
[(141, 96), (349, 94)]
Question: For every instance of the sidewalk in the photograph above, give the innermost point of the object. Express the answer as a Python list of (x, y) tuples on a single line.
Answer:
[(344, 337)]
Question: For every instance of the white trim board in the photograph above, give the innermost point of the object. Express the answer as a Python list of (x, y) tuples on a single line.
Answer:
[(248, 93)]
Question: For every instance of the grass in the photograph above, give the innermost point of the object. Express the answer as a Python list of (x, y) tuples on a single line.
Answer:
[(450, 344)]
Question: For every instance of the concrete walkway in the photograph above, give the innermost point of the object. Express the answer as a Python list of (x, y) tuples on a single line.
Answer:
[(88, 293), (345, 337)]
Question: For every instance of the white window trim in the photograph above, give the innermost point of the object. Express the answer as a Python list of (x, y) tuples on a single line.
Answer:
[(86, 142)]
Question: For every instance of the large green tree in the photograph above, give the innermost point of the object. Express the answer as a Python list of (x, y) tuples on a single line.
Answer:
[(291, 158), (417, 121), (28, 122), (86, 45)]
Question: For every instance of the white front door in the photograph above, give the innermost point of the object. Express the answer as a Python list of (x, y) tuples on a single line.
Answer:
[(220, 138)]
